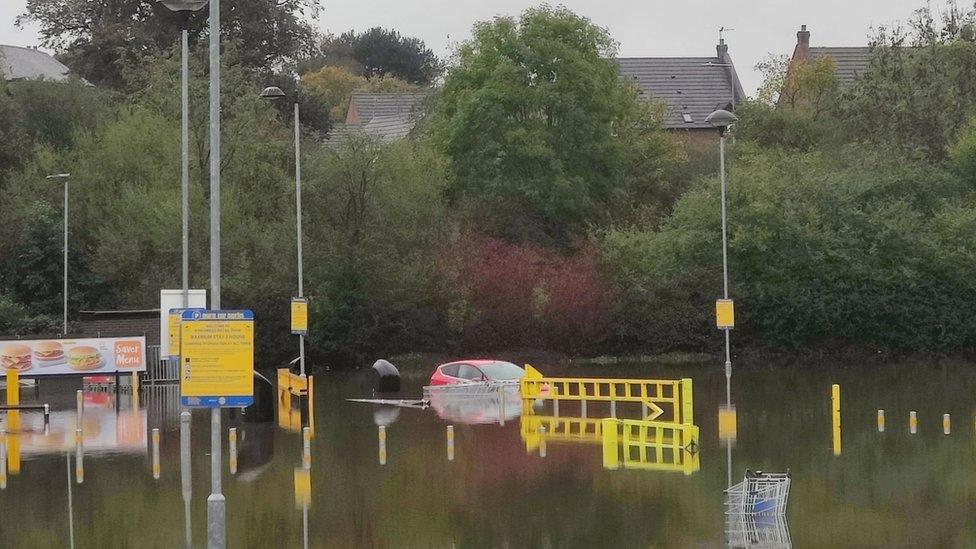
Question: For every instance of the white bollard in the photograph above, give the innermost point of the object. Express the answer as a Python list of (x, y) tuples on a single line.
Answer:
[(881, 421), (232, 450), (912, 422), (945, 424)]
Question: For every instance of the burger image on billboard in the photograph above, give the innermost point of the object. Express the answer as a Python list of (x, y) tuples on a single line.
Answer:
[(16, 357), (84, 358), (48, 351)]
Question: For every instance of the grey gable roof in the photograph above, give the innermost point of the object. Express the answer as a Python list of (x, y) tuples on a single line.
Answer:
[(695, 86), (18, 63), (851, 62), (371, 105)]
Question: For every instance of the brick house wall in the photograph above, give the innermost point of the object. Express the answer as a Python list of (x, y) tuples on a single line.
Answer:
[(120, 323)]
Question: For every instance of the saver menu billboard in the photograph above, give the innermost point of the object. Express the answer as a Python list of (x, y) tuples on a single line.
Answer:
[(101, 355)]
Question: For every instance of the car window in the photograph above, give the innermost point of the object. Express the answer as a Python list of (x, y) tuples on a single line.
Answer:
[(467, 371), (450, 370), (501, 370)]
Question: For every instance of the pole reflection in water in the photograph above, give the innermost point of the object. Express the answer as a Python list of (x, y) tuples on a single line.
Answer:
[(382, 450), (3, 460), (79, 457), (303, 481), (71, 513), (186, 473), (155, 453), (450, 443)]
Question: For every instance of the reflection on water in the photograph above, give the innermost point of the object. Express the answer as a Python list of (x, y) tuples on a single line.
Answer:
[(497, 491)]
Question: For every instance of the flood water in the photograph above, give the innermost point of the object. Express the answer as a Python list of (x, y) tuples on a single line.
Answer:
[(890, 489)]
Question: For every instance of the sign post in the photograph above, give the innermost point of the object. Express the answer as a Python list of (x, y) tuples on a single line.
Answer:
[(216, 371)]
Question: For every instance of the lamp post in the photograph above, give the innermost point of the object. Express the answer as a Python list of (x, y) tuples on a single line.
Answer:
[(185, 8), (64, 177), (722, 119), (274, 93)]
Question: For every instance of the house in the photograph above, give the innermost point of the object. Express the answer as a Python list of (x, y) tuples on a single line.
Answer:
[(850, 62), (689, 87), (384, 116), (17, 63)]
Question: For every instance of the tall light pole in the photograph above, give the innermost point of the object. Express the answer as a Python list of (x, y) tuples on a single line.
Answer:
[(216, 504), (274, 93), (64, 291), (185, 8), (722, 119)]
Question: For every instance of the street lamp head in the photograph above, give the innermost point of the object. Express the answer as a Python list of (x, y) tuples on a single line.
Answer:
[(272, 92), (184, 5), (721, 119)]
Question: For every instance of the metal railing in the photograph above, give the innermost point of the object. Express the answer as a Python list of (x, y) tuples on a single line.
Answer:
[(160, 369)]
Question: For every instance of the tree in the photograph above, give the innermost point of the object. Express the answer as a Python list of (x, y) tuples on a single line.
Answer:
[(97, 38), (541, 132), (920, 87), (379, 52), (14, 144), (332, 87)]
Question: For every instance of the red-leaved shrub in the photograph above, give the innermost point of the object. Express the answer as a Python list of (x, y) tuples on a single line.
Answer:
[(499, 295)]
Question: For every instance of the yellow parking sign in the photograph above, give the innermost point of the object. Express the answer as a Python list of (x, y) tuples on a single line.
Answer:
[(217, 358), (724, 314), (299, 316)]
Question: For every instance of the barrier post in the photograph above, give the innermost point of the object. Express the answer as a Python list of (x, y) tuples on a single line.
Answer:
[(881, 421), (542, 441), (611, 444), (13, 387), (912, 422), (687, 402), (945, 424)]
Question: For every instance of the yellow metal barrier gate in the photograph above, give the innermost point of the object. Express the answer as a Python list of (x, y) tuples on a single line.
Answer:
[(662, 400), (289, 385)]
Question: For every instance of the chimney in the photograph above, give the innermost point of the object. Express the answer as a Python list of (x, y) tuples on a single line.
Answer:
[(802, 43), (722, 50)]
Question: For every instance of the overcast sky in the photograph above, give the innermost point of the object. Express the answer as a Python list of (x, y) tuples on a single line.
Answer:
[(643, 28)]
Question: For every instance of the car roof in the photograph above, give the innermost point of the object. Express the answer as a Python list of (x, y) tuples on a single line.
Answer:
[(474, 362)]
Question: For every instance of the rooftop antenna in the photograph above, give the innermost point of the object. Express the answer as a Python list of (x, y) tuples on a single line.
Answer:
[(721, 38)]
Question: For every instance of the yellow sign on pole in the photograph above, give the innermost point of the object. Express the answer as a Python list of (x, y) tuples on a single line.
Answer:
[(724, 314), (217, 358), (299, 316), (174, 332)]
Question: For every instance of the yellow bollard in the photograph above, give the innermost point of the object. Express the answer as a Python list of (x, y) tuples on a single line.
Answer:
[(13, 387), (912, 422), (232, 449), (155, 453), (835, 417), (611, 444), (382, 435), (450, 443), (945, 424), (881, 421)]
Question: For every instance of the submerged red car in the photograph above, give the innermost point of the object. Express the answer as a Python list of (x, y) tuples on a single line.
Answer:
[(467, 371)]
